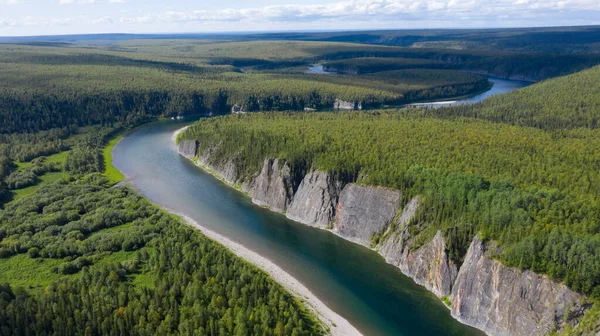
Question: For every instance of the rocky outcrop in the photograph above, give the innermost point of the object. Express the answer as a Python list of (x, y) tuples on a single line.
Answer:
[(507, 301), (273, 187), (188, 148), (225, 171), (315, 201), (364, 211), (346, 105), (428, 265), (483, 292)]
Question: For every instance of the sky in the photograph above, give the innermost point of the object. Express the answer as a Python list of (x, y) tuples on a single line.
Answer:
[(53, 17)]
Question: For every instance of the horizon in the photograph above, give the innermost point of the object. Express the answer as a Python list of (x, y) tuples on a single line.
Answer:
[(27, 18), (295, 31)]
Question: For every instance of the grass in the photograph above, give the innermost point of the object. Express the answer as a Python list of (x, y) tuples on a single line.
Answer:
[(21, 270), (110, 171), (45, 179), (446, 301)]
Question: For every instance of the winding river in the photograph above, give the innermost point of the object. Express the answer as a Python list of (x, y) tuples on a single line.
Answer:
[(352, 280)]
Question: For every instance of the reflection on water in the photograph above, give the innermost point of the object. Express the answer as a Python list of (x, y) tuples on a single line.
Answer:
[(500, 86), (352, 280)]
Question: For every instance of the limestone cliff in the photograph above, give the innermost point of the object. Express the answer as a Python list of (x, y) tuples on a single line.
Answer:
[(273, 187), (188, 148), (507, 301), (484, 293), (364, 211), (315, 201), (428, 265)]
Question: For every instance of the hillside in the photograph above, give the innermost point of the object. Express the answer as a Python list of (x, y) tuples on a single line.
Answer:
[(533, 191), (564, 103)]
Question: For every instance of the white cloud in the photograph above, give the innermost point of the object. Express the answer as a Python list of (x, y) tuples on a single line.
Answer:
[(76, 2), (378, 10), (10, 2), (348, 14)]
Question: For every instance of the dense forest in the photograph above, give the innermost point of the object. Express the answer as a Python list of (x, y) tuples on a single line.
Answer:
[(78, 256), (139, 271), (43, 88), (535, 191)]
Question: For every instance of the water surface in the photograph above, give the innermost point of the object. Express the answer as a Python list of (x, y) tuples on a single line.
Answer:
[(352, 280)]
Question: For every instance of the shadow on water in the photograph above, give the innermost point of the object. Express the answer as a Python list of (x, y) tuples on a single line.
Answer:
[(352, 280)]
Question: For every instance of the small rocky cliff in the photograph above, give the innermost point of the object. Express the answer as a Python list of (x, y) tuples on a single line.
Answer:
[(483, 292)]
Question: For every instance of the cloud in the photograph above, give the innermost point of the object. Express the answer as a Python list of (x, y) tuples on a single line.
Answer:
[(76, 2), (348, 14), (11, 2), (382, 10)]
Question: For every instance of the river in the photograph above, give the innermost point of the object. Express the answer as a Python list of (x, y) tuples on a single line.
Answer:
[(499, 86), (352, 280)]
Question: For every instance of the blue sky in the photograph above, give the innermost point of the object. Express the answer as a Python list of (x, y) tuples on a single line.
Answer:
[(42, 17)]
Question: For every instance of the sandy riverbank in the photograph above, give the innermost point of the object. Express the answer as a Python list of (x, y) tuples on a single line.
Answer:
[(336, 324)]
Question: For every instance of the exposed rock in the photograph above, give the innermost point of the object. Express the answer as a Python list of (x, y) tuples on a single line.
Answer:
[(364, 211), (429, 265), (506, 301), (484, 293), (273, 187), (346, 105), (226, 171), (188, 148), (315, 201)]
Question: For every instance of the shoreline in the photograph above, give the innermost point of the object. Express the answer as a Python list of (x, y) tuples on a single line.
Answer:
[(217, 176), (334, 324)]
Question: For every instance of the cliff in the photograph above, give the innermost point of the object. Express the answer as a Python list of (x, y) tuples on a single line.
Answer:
[(363, 212), (273, 187), (315, 201), (506, 301), (483, 292), (188, 148), (429, 265)]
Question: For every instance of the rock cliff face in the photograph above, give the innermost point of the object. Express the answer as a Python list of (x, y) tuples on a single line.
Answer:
[(364, 211), (428, 265), (315, 201), (188, 148), (507, 301), (273, 187), (483, 292)]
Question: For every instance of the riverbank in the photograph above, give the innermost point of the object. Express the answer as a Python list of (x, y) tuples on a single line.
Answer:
[(334, 323)]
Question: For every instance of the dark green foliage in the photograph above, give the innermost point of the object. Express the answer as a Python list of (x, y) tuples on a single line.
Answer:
[(555, 105), (86, 156), (196, 285), (375, 64), (534, 191)]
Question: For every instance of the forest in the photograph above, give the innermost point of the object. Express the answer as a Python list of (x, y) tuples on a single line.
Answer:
[(56, 86), (531, 186), (78, 256)]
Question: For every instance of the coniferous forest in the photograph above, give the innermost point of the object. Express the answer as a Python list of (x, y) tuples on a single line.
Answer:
[(83, 255), (519, 168)]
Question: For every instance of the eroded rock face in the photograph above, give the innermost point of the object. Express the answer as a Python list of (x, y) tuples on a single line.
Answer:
[(484, 293), (429, 265), (315, 201), (226, 171), (188, 148), (364, 211), (506, 301), (273, 187)]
